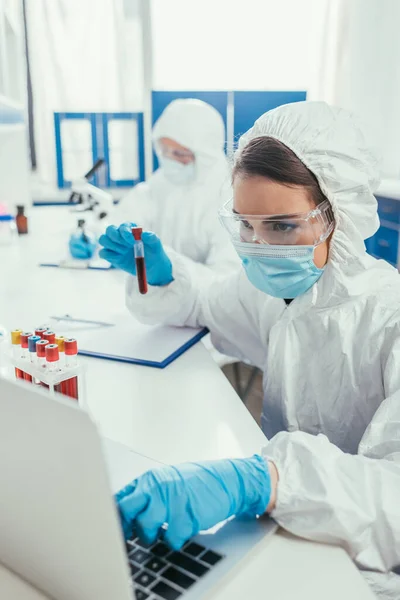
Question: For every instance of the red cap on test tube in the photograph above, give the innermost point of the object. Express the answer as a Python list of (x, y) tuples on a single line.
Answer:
[(137, 233), (41, 348), (24, 338), (50, 336), (71, 347), (52, 354), (40, 331)]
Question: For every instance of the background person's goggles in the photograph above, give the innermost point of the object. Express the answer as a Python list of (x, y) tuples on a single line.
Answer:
[(302, 229), (184, 156)]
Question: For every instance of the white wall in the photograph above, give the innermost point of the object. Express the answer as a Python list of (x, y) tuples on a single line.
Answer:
[(14, 164), (346, 52), (359, 70), (12, 64), (235, 44)]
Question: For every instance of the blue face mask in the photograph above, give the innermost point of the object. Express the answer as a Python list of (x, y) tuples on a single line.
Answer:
[(286, 272), (177, 172)]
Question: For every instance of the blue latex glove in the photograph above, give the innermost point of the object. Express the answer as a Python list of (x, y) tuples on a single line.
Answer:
[(82, 246), (118, 250), (193, 497)]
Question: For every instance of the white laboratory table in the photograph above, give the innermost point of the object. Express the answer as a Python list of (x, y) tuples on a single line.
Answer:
[(187, 411)]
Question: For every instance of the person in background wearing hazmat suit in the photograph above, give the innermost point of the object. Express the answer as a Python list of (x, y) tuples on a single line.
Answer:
[(181, 199), (322, 319)]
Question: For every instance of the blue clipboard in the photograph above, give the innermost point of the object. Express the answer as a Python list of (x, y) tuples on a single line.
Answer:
[(94, 344)]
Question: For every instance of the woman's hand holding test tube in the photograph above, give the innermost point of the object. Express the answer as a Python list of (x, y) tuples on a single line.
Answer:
[(118, 249)]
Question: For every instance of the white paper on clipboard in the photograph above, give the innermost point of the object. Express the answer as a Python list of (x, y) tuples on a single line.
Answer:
[(134, 342)]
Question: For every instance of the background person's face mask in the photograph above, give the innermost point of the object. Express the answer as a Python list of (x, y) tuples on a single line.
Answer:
[(178, 173), (288, 274)]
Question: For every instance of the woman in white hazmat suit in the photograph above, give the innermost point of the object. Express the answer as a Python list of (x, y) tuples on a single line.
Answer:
[(328, 342), (180, 201)]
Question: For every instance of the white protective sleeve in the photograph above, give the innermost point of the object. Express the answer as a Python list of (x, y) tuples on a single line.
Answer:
[(324, 494), (329, 496), (219, 304)]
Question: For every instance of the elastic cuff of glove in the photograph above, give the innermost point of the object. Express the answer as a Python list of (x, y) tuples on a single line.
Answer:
[(257, 486)]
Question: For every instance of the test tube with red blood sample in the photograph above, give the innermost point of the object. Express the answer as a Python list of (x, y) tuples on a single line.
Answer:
[(41, 356), (32, 352), (40, 331), (25, 351), (60, 341), (52, 358), (50, 336), (32, 349), (138, 250), (16, 347), (71, 360), (41, 353)]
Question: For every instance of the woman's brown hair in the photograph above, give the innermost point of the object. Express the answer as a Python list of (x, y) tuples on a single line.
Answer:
[(267, 157)]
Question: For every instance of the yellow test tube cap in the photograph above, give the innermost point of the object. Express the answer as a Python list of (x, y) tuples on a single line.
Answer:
[(60, 341), (16, 337)]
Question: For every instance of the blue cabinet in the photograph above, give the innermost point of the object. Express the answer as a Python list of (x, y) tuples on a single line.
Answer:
[(119, 137), (389, 209), (245, 106), (385, 243), (250, 105)]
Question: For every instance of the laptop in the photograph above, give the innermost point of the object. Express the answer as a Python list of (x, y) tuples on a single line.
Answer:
[(59, 525)]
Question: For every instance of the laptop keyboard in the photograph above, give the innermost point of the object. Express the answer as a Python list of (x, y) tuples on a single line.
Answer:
[(160, 573)]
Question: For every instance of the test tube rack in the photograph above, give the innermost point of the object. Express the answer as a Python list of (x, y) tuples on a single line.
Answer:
[(50, 379), (47, 360)]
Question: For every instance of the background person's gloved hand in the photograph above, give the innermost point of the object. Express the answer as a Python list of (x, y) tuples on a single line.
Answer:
[(82, 245), (193, 497), (117, 249)]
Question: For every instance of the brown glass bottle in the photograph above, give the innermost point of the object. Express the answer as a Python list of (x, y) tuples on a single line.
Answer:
[(21, 220)]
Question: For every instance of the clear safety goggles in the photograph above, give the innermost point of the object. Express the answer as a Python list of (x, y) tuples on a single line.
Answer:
[(182, 156), (299, 229)]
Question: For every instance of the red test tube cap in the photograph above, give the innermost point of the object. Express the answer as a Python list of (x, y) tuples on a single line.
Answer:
[(41, 348), (137, 233), (52, 354), (40, 331), (70, 346), (24, 338), (50, 336)]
